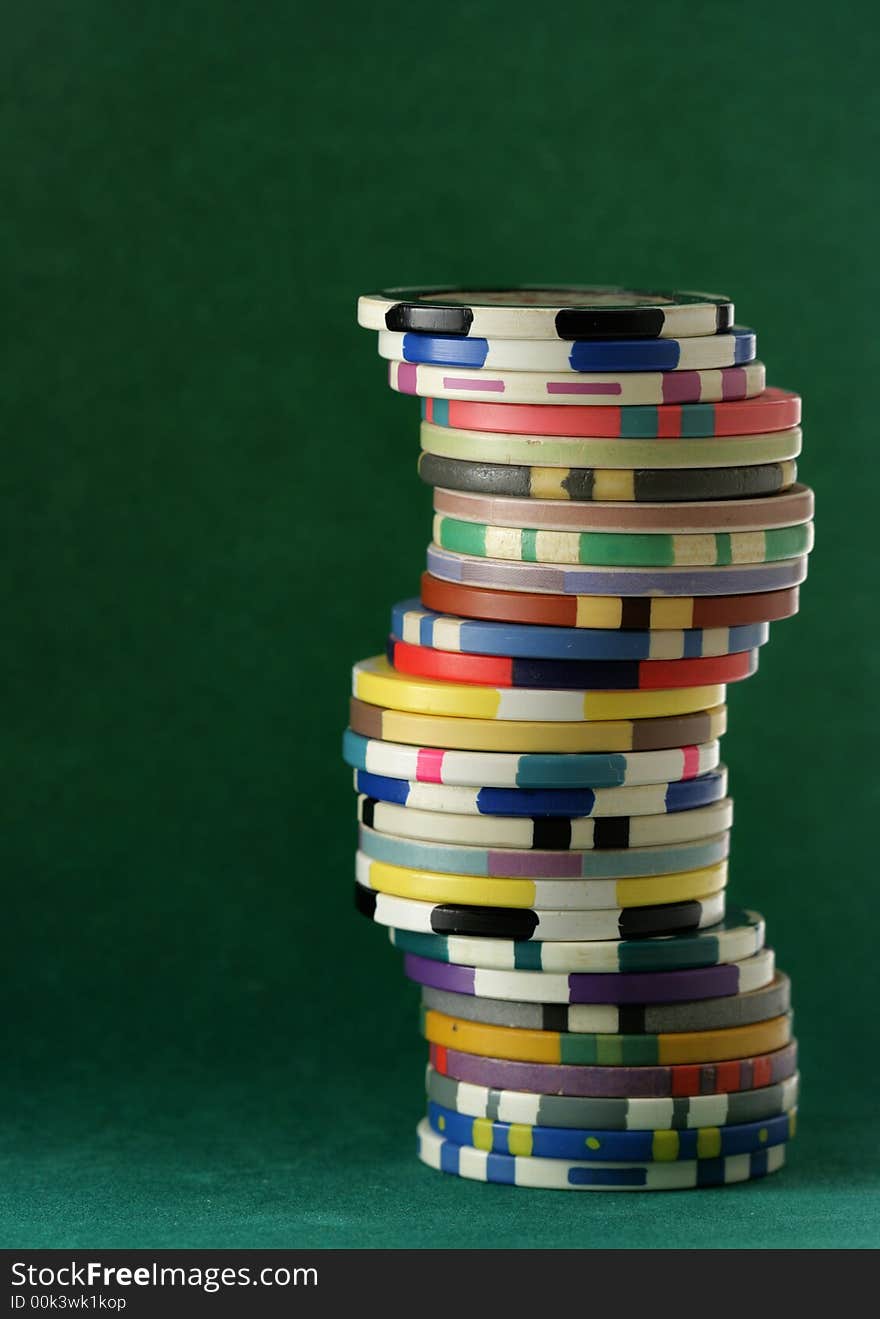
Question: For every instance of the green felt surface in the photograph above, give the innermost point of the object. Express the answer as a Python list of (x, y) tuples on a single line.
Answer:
[(202, 1044)]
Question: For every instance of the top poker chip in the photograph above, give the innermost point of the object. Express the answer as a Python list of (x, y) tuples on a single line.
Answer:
[(552, 312)]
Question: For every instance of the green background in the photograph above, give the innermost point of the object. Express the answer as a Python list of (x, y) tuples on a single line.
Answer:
[(210, 503)]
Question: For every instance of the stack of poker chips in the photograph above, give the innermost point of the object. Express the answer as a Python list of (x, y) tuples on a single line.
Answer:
[(544, 816)]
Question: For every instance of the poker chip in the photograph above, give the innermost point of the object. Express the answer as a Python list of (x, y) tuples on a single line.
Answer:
[(514, 891), (377, 683), (624, 455), (596, 1144), (700, 352), (597, 675), (729, 579), (611, 989), (543, 821), (548, 835), (772, 410), (628, 971), (792, 507), (497, 769), (618, 1115), (580, 388), (563, 805), (578, 1175), (622, 549), (659, 1081), (773, 1000), (421, 627), (554, 311), (581, 484), (602, 1050), (626, 863), (566, 803), (570, 737), (523, 924), (614, 613)]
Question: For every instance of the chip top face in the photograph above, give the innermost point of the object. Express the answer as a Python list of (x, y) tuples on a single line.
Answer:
[(547, 296)]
